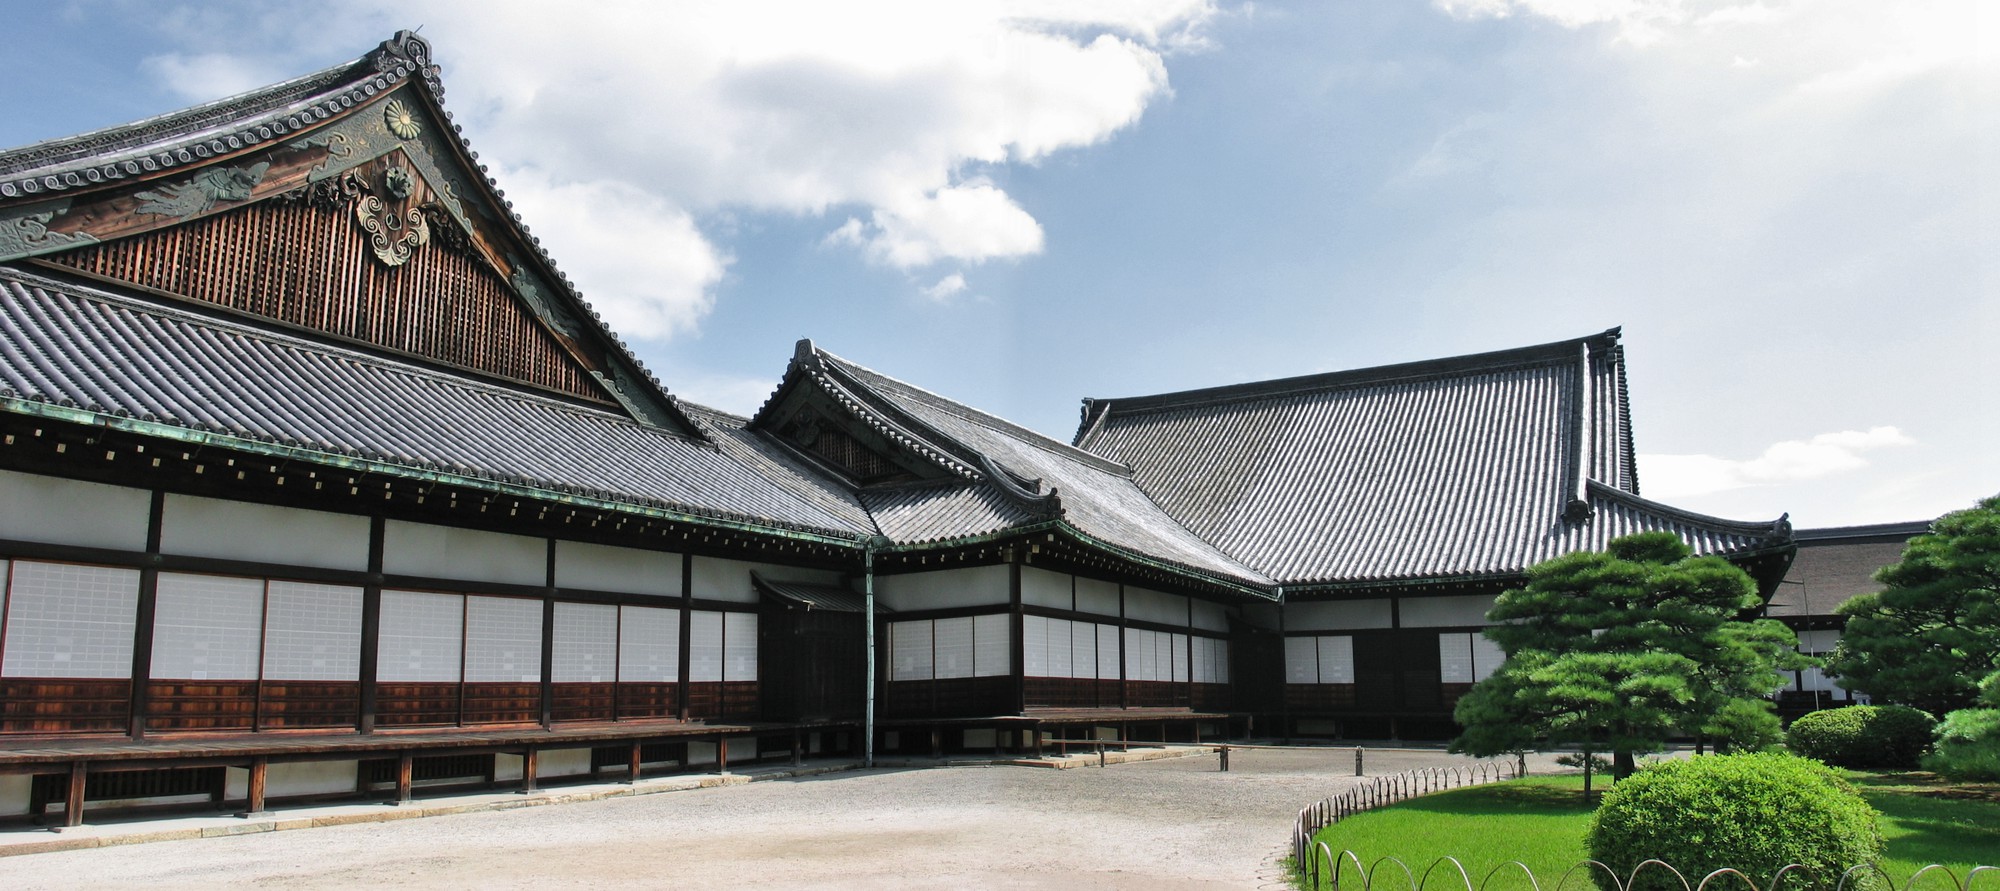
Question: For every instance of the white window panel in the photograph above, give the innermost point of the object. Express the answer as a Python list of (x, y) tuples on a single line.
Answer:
[(1180, 657), (705, 646), (992, 645), (207, 627), (649, 644), (1163, 656), (420, 638), (1336, 659), (1109, 656), (312, 632), (951, 646), (1302, 660), (1455, 658), (1140, 653), (1486, 657), (1061, 652), (1083, 647), (69, 621), (503, 640), (585, 642), (1221, 661), (1818, 642), (1204, 660), (739, 647), (1035, 645), (910, 651)]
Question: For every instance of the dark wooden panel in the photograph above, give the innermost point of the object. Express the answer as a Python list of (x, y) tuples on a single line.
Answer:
[(201, 705), (64, 705), (1156, 694), (722, 699), (1061, 692), (308, 263), (299, 704), (1451, 693), (649, 700), (584, 702), (488, 703), (1319, 697), (1212, 697), (950, 698), (407, 704)]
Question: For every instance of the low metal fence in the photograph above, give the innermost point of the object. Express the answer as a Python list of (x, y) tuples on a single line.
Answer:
[(1325, 869), (1388, 790)]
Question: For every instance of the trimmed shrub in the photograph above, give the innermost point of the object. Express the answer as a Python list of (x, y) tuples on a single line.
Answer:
[(1755, 813), (1968, 745), (1890, 737)]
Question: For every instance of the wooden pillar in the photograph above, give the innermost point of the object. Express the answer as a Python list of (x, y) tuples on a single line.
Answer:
[(1017, 621), (721, 754), (636, 756), (937, 743), (73, 805), (371, 624), (530, 766), (687, 631), (798, 750), (143, 619), (405, 767), (259, 768), (549, 641), (1038, 742)]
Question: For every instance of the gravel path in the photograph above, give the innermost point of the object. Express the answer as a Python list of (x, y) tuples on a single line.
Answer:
[(1176, 823)]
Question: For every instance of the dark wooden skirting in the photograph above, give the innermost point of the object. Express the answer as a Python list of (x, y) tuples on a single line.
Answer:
[(1156, 694), (949, 697), (1070, 693), (1451, 692), (402, 704), (309, 704), (489, 703), (182, 705), (64, 705), (733, 700), (649, 700), (1211, 697), (1319, 697), (583, 702)]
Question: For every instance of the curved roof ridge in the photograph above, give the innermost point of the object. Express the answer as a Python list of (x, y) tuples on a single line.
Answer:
[(1778, 531), (1096, 409), (995, 422)]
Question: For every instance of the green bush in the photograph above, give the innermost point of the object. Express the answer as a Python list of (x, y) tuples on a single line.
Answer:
[(1968, 745), (1891, 737), (1755, 813)]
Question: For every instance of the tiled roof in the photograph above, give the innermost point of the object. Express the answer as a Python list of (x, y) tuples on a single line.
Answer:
[(1094, 495), (826, 597), (1449, 468), (74, 345)]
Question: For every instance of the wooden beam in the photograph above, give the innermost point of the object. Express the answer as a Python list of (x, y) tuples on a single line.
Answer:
[(530, 766), (636, 746), (405, 767), (73, 805), (259, 768)]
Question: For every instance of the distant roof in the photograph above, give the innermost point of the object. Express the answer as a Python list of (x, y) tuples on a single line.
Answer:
[(1831, 534), (1462, 467)]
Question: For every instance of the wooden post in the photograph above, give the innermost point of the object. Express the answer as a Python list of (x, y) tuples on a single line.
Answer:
[(1038, 742), (798, 750), (937, 743), (405, 767), (73, 806), (635, 764), (529, 766), (721, 755), (259, 767)]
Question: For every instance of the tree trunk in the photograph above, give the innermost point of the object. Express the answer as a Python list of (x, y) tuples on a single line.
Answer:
[(1589, 759), (1622, 765)]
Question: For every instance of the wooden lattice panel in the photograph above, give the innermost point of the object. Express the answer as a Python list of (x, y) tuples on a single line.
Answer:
[(312, 266)]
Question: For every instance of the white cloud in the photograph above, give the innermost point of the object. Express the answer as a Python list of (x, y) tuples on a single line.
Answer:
[(209, 76), (1673, 476), (971, 223), (640, 261), (946, 288)]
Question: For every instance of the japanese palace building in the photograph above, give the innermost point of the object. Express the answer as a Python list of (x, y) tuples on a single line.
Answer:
[(321, 479)]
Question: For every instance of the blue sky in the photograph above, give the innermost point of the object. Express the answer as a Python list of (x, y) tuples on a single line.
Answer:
[(1788, 204)]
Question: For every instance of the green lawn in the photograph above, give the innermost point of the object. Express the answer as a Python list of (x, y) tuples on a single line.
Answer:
[(1540, 821)]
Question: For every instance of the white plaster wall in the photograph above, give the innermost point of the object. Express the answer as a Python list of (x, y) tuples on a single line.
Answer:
[(729, 580), (1097, 597), (444, 552), (236, 530), (980, 738), (946, 588), (14, 794), (1146, 605), (596, 567), (1338, 615), (59, 511), (1040, 587), (1211, 616), (563, 763), (1435, 612), (309, 778)]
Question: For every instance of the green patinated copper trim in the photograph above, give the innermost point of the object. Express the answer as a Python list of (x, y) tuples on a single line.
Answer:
[(417, 474), (1062, 527)]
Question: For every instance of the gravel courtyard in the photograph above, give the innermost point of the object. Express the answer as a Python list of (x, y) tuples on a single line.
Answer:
[(1176, 823)]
